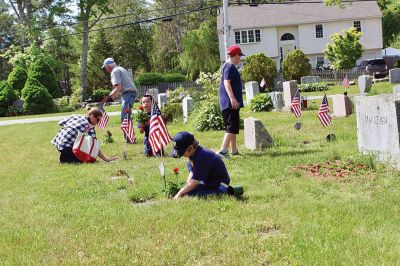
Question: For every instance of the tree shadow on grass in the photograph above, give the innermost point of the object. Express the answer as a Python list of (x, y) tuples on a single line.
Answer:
[(276, 153)]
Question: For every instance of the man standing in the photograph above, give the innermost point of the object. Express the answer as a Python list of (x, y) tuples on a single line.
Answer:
[(122, 85), (230, 100)]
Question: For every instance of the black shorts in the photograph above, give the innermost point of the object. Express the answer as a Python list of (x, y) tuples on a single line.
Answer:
[(67, 156), (231, 120)]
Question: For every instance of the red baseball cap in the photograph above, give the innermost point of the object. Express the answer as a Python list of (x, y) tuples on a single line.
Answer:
[(234, 50)]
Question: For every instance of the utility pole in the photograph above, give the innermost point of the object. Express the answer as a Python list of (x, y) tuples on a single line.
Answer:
[(226, 28)]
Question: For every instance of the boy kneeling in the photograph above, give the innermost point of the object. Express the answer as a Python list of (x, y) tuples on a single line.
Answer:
[(207, 171)]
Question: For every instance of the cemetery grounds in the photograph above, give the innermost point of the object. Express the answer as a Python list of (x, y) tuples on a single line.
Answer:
[(306, 201)]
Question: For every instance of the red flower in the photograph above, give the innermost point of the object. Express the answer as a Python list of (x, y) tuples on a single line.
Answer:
[(126, 110), (176, 170), (141, 108)]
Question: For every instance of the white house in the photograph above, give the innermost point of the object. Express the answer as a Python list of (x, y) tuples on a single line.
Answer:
[(277, 29)]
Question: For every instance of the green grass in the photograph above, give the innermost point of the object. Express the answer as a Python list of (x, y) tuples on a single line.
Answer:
[(65, 214)]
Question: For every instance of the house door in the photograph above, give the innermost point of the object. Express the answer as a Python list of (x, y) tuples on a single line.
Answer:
[(287, 48)]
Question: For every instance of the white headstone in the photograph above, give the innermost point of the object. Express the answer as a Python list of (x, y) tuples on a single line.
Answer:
[(394, 75), (153, 93), (277, 99), (187, 106), (364, 83), (310, 79), (162, 99), (252, 89), (378, 127), (342, 105), (289, 90), (256, 135), (396, 90)]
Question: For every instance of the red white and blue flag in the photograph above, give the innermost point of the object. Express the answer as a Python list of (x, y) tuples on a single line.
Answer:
[(346, 82), (263, 83), (323, 113), (296, 105), (104, 119), (158, 134), (127, 128)]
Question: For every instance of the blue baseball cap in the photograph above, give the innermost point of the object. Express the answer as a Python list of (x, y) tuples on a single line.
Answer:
[(181, 142), (107, 61)]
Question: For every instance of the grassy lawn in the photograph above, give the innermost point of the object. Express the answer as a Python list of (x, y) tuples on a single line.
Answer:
[(63, 214)]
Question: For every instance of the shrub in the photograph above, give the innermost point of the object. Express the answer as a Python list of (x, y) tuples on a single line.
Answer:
[(17, 78), (295, 65), (210, 83), (37, 98), (150, 78), (174, 77), (172, 112), (7, 97), (41, 71), (308, 87), (76, 97), (261, 102), (259, 66), (63, 104), (99, 94), (208, 116), (397, 65), (177, 95)]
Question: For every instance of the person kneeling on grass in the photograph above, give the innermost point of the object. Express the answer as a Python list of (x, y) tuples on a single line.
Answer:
[(65, 138), (207, 171)]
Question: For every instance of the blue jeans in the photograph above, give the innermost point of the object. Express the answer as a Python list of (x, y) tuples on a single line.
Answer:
[(127, 101), (203, 191)]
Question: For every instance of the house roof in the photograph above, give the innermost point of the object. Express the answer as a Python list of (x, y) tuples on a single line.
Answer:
[(307, 11)]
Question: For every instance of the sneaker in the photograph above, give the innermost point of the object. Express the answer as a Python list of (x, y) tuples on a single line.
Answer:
[(236, 153), (223, 154)]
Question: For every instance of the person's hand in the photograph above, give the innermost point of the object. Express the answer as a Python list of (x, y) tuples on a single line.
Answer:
[(141, 130), (234, 103), (176, 197), (106, 99)]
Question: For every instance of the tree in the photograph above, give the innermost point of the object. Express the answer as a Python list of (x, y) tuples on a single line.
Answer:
[(391, 24), (201, 53), (42, 72), (17, 78), (345, 50), (36, 98), (295, 65), (258, 67), (7, 97)]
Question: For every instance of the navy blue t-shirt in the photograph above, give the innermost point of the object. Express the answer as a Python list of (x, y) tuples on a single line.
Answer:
[(230, 72), (208, 168)]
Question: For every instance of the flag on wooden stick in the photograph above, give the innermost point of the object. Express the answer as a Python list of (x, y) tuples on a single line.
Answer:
[(127, 128), (323, 113), (263, 83), (296, 105), (104, 119), (158, 134), (346, 82)]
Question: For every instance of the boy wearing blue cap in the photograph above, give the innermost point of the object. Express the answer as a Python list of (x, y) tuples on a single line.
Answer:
[(207, 171)]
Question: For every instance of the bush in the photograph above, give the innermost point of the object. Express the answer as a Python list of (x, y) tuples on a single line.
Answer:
[(151, 78), (37, 98), (174, 77), (210, 83), (397, 65), (208, 116), (259, 66), (172, 112), (321, 86), (7, 97), (261, 102), (62, 104), (295, 65), (177, 95), (41, 71), (99, 94), (17, 78)]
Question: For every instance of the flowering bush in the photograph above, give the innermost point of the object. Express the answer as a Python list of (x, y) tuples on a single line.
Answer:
[(108, 137), (177, 95), (210, 83), (208, 116)]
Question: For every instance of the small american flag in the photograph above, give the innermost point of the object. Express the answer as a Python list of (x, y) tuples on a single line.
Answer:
[(263, 83), (323, 113), (104, 119), (296, 106), (158, 134), (127, 128), (346, 82)]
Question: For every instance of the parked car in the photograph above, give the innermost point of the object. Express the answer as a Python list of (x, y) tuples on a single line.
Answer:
[(374, 67)]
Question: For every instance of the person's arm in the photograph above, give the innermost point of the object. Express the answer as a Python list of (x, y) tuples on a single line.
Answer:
[(116, 91), (229, 91), (104, 158), (189, 186)]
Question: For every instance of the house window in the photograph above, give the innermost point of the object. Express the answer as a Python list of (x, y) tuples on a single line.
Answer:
[(251, 36), (287, 37), (237, 36), (244, 36), (320, 61), (357, 25), (319, 31), (247, 36)]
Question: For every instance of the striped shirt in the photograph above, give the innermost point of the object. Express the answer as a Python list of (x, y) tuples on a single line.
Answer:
[(71, 127)]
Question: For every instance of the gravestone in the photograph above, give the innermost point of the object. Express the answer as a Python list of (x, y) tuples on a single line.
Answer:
[(396, 90), (252, 89), (378, 127), (187, 106), (256, 135), (18, 104), (279, 85), (162, 99), (394, 75), (153, 93), (310, 79), (289, 90), (342, 105), (277, 99), (364, 83)]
